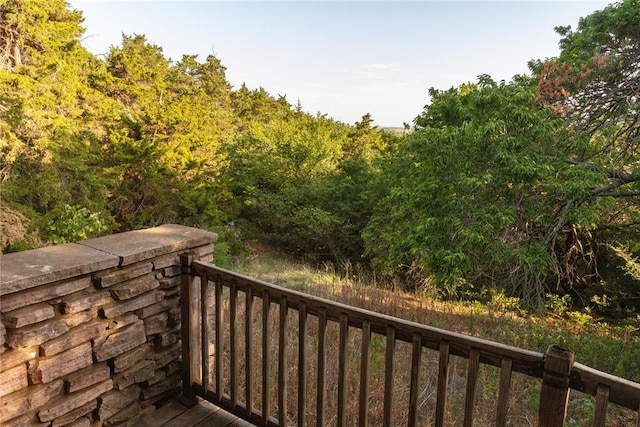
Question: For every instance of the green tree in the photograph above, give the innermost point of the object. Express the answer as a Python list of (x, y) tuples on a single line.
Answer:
[(348, 194), (302, 181), (523, 184), (464, 191), (274, 172), (593, 85), (258, 106), (163, 149), (50, 116), (346, 197)]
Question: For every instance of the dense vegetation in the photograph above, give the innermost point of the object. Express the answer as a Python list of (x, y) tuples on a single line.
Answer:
[(530, 186)]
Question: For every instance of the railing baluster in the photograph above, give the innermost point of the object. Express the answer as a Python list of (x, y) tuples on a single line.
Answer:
[(363, 414), (342, 370), (302, 363), (472, 379), (219, 339), (602, 399), (248, 351), (503, 391), (559, 373), (322, 362), (282, 364), (416, 358), (266, 360), (204, 337), (189, 326), (443, 377), (233, 332), (388, 374)]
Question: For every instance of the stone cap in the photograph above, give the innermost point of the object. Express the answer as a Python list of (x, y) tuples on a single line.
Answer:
[(140, 245), (28, 269)]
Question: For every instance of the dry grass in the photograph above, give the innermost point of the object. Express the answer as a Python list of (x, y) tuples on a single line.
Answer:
[(497, 321)]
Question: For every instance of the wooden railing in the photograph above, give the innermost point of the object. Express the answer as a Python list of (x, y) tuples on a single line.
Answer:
[(243, 376)]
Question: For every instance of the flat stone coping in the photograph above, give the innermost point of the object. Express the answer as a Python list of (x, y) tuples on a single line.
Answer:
[(28, 269), (139, 245)]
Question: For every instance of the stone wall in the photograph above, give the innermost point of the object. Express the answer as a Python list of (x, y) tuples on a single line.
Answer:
[(90, 331)]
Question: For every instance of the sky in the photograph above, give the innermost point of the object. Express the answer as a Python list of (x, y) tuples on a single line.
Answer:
[(344, 58)]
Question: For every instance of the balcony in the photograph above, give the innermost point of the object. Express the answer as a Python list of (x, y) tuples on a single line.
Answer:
[(139, 328)]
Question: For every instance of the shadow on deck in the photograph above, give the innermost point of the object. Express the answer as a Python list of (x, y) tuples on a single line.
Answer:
[(175, 413)]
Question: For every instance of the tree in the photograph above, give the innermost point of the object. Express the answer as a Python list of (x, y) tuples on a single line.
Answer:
[(596, 79), (348, 193), (164, 144), (274, 172), (258, 106), (524, 184), (594, 86), (464, 191), (50, 115), (32, 30)]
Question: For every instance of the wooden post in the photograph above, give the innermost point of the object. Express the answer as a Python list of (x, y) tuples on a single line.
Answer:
[(555, 387), (443, 380), (219, 343), (365, 363), (233, 334), (602, 399), (282, 363), (503, 391), (266, 359), (473, 368), (188, 322), (248, 382), (204, 331), (302, 363), (342, 370), (416, 359), (321, 404), (388, 375)]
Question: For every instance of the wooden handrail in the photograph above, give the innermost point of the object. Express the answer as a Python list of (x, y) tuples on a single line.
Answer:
[(556, 368), (622, 392), (491, 353)]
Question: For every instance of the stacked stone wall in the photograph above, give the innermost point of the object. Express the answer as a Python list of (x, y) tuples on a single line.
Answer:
[(90, 331)]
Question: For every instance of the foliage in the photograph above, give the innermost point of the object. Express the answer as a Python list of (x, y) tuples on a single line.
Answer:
[(302, 182), (47, 150), (72, 223), (346, 195), (593, 85), (162, 148), (616, 294), (485, 192), (530, 185), (124, 137), (522, 184), (600, 83), (273, 169), (140, 140), (459, 202)]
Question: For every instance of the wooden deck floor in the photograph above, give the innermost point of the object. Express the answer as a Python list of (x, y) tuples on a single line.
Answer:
[(177, 414)]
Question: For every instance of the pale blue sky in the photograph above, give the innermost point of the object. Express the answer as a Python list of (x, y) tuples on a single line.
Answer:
[(345, 58)]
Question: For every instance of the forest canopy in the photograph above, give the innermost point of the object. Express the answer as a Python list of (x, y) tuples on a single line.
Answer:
[(530, 186)]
